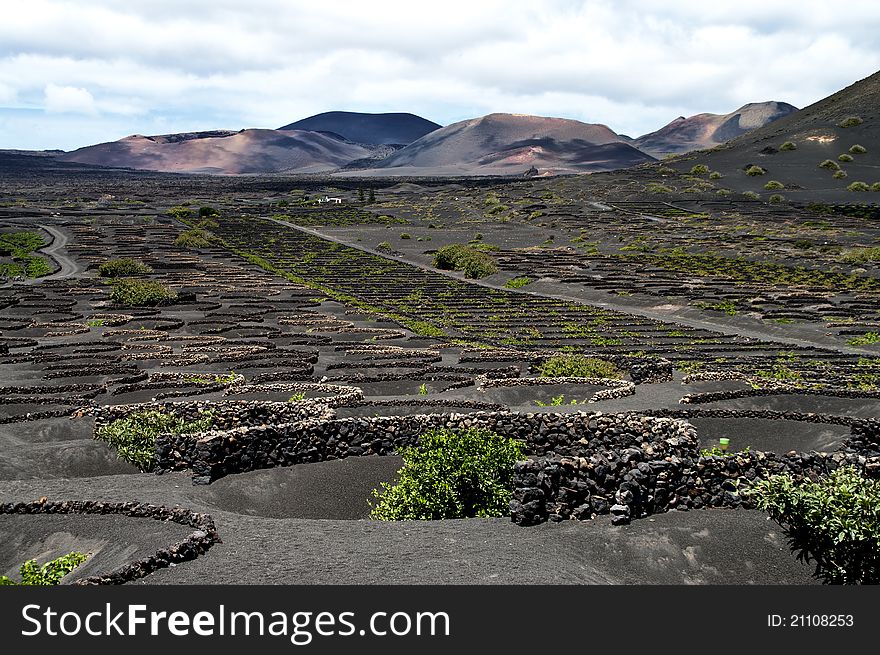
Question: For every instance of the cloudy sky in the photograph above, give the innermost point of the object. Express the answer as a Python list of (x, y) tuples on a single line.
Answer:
[(76, 72)]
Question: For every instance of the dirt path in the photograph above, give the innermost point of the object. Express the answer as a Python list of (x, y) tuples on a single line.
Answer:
[(67, 267)]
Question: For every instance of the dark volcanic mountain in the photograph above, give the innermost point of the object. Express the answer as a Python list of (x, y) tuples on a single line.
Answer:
[(709, 130), (380, 129), (843, 128), (500, 144), (223, 152)]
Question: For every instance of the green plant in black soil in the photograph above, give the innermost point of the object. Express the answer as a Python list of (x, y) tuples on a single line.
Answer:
[(518, 282), (833, 522), (141, 293), (473, 263), (577, 366), (858, 186), (830, 165), (134, 436), (204, 212), (180, 212), (451, 474), (193, 238), (851, 121), (788, 145), (51, 573), (754, 170), (123, 267), (556, 401)]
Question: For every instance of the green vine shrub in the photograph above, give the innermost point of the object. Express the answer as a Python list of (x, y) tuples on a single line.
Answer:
[(141, 293), (123, 268), (577, 366), (472, 262), (451, 475), (134, 436), (34, 575), (834, 522)]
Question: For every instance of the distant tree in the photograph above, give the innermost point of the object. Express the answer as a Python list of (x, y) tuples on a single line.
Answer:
[(372, 196), (361, 195)]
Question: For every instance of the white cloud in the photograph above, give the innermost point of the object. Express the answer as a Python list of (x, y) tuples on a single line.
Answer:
[(69, 99), (632, 64)]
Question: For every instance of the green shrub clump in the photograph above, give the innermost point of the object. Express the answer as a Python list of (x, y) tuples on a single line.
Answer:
[(844, 157), (715, 175), (193, 238), (449, 475), (518, 282), (776, 198), (773, 184), (834, 522), (141, 293), (700, 169), (851, 121), (577, 366), (875, 186), (839, 175), (134, 437), (474, 263), (123, 267), (830, 164), (857, 149), (858, 186), (754, 170), (788, 145), (655, 187), (34, 575)]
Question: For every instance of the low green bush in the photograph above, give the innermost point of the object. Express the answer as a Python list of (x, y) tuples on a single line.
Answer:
[(755, 170), (655, 187), (715, 175), (857, 149), (449, 475), (839, 175), (875, 186), (833, 522), (518, 282), (776, 198), (858, 186), (700, 169), (141, 293), (788, 145), (830, 164), (844, 157), (577, 366), (134, 436), (51, 573), (773, 185), (123, 267), (751, 195), (193, 238), (850, 121), (474, 263)]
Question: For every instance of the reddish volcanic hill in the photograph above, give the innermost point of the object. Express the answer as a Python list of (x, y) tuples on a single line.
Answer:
[(709, 130), (379, 129), (222, 152), (512, 143)]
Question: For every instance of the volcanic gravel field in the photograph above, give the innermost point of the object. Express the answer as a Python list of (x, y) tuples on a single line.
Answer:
[(293, 294)]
